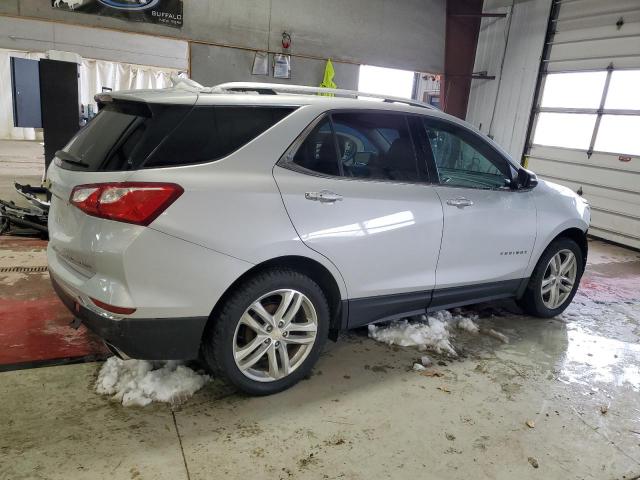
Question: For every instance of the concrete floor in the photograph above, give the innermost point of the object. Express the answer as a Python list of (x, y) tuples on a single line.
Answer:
[(22, 161), (364, 414)]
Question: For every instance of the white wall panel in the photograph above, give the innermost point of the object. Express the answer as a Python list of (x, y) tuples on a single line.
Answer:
[(489, 54), (514, 88)]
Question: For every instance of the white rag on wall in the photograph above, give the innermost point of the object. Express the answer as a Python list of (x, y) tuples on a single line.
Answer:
[(94, 74)]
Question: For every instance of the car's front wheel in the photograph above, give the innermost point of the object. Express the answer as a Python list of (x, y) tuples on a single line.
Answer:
[(555, 279), (269, 332)]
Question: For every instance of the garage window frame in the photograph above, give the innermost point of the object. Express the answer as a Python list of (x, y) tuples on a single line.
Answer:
[(598, 112)]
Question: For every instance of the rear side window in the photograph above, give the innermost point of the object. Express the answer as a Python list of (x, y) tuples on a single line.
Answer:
[(318, 152), (122, 135), (211, 133), (130, 135)]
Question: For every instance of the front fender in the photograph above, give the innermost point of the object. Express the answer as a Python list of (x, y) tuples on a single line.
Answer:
[(559, 210)]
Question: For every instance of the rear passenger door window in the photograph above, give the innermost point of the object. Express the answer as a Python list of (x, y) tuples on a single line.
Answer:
[(362, 145), (375, 146)]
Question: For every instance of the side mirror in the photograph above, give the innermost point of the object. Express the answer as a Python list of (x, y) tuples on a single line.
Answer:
[(527, 179)]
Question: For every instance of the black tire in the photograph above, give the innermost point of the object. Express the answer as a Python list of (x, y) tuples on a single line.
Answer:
[(531, 301), (218, 340)]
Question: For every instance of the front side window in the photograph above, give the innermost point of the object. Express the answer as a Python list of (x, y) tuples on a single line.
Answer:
[(363, 145), (463, 160)]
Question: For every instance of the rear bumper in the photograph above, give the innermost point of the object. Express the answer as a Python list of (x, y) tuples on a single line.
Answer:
[(142, 338)]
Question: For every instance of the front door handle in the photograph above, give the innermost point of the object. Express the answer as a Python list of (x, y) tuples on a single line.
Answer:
[(459, 202), (325, 196)]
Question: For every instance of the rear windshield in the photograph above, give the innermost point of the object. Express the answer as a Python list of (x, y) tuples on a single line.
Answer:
[(130, 136)]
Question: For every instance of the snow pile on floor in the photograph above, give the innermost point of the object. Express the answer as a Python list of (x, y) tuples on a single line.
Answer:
[(432, 332), (139, 382)]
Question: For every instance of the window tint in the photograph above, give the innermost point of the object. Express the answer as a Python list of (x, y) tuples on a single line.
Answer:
[(209, 133), (376, 146), (124, 134), (318, 151), (464, 160)]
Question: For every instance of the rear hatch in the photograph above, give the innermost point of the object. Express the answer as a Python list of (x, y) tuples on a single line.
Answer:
[(135, 132), (117, 142)]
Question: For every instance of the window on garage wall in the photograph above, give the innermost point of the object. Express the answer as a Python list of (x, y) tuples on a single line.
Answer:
[(386, 81), (591, 111)]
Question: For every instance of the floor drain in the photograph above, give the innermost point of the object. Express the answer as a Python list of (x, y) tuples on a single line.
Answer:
[(24, 269)]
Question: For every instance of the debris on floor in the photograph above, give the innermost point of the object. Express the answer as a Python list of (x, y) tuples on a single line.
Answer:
[(140, 382), (497, 335), (530, 423), (533, 462), (431, 332)]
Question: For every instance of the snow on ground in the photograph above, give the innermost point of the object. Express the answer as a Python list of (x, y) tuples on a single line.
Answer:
[(139, 382), (429, 332)]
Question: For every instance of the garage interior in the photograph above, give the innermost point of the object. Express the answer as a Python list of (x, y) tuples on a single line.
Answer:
[(554, 82)]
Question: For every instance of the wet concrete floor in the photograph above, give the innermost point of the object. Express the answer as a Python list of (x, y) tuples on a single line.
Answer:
[(561, 400)]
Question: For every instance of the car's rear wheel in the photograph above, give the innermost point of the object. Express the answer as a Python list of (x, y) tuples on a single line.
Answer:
[(269, 332), (555, 279)]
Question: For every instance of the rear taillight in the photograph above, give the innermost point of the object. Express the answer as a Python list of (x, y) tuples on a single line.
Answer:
[(131, 202)]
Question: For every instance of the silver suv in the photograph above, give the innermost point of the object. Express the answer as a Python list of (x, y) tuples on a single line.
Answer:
[(247, 223)]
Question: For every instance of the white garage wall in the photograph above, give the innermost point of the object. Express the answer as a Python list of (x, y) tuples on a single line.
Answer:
[(38, 36), (212, 65), (407, 34), (509, 48)]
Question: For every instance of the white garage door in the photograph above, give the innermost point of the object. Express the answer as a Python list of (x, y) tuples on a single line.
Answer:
[(587, 127)]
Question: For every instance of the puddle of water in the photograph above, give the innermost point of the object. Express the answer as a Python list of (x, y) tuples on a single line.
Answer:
[(593, 358)]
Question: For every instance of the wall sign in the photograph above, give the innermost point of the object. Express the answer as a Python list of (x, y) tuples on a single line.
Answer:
[(165, 12)]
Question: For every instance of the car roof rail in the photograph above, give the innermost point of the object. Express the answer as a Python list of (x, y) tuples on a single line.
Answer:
[(276, 88)]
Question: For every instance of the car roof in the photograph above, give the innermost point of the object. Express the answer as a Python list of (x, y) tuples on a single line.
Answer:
[(180, 94)]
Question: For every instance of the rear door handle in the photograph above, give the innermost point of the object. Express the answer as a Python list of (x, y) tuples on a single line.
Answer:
[(325, 196), (459, 202)]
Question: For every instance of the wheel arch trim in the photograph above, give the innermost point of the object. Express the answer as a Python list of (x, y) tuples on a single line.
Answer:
[(332, 287), (575, 231)]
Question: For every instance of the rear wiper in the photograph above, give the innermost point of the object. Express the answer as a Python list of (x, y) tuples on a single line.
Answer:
[(70, 158)]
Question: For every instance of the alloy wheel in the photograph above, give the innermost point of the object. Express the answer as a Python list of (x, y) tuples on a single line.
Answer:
[(275, 335), (558, 279)]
